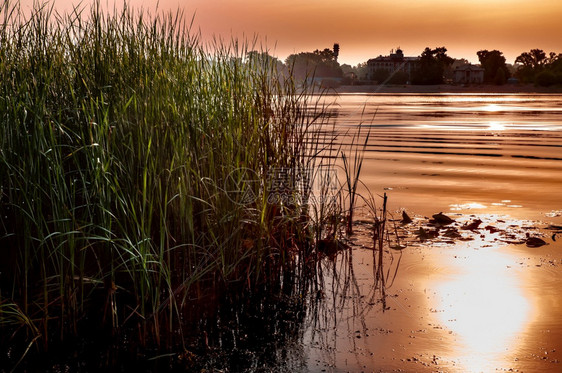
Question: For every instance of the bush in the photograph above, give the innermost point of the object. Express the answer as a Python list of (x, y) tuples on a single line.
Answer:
[(379, 75), (500, 77), (545, 78), (399, 77)]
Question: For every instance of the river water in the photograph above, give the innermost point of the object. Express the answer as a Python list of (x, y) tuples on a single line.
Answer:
[(500, 153), (484, 301)]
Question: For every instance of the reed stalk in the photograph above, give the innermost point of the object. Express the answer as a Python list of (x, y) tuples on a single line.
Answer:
[(352, 171)]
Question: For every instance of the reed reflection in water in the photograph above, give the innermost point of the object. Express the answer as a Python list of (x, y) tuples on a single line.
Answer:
[(339, 329)]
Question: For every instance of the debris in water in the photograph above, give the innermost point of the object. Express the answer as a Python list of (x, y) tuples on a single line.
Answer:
[(441, 219), (405, 218), (491, 229), (535, 242), (424, 235), (452, 233), (472, 226)]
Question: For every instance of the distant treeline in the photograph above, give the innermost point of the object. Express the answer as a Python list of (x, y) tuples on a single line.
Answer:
[(433, 67)]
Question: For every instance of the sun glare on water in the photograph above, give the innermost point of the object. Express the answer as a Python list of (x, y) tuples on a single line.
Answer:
[(496, 126), (485, 310), (491, 108)]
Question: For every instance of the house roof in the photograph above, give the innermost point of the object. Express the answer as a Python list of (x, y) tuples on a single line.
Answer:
[(394, 57)]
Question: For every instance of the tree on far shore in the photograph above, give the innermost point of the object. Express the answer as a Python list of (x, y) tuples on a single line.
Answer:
[(360, 70), (495, 69), (536, 67), (431, 66), (534, 59), (320, 63), (384, 76), (265, 61)]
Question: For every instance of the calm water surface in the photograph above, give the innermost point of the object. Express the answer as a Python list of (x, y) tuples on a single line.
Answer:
[(468, 306), (498, 152)]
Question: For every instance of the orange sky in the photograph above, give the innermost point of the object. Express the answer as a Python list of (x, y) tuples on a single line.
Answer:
[(368, 28)]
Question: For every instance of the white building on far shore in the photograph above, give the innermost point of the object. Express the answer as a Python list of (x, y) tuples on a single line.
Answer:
[(469, 74), (393, 63)]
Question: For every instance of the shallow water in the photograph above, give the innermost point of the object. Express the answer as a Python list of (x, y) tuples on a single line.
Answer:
[(452, 309), (490, 303)]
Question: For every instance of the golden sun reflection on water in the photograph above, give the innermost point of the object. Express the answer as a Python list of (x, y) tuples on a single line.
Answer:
[(485, 309), (496, 126), (491, 108), (467, 206)]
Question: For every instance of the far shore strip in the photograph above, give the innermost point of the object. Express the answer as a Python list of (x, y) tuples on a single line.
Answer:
[(447, 88)]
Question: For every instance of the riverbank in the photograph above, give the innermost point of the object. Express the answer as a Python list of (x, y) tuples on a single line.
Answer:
[(447, 88)]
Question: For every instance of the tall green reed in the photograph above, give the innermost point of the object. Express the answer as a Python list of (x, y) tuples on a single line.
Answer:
[(352, 171), (124, 152)]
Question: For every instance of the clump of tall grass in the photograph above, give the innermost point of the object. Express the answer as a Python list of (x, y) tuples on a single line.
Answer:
[(352, 171), (126, 147)]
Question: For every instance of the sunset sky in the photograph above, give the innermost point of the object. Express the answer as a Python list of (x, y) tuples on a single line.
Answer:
[(367, 28)]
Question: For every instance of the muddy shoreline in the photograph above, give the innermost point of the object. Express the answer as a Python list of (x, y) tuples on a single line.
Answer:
[(447, 88)]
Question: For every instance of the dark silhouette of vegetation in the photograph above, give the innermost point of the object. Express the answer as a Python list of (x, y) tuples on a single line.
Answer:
[(534, 59), (267, 61), (536, 67), (320, 63), (501, 77), (431, 66), (385, 76), (495, 69), (546, 78), (360, 70)]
